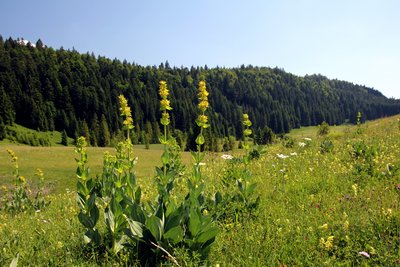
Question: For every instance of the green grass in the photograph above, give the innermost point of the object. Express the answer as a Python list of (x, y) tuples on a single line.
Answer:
[(305, 199), (54, 137), (58, 164)]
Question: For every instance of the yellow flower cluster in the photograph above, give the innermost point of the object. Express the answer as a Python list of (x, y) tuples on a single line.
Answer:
[(125, 112), (21, 179), (39, 173), (328, 244), (165, 118), (163, 90), (164, 103), (81, 143), (14, 158), (203, 96), (202, 119), (246, 122)]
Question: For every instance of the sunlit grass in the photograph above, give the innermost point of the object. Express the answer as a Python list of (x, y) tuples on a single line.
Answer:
[(306, 198)]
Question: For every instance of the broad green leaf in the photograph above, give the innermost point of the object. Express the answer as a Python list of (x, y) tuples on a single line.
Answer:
[(109, 217), (91, 202), (94, 214), (250, 189), (81, 188), (174, 234), (119, 244), (115, 207), (92, 236), (207, 235), (240, 185), (165, 157), (136, 228), (138, 195), (194, 222), (86, 220), (173, 220), (80, 200), (154, 224), (217, 197)]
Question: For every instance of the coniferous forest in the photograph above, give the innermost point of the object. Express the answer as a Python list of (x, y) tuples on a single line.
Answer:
[(56, 89)]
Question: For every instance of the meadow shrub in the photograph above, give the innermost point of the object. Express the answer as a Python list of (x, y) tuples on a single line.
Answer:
[(323, 128)]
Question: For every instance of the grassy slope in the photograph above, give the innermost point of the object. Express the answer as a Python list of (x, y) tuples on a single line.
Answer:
[(304, 199)]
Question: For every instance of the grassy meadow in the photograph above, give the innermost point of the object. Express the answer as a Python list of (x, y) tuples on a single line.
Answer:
[(333, 207)]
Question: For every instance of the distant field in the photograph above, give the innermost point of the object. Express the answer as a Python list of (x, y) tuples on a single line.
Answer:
[(58, 163)]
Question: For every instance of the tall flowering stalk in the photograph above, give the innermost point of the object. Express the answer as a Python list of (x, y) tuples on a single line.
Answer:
[(246, 132), (164, 107), (128, 126), (202, 122), (165, 176), (125, 112), (202, 119)]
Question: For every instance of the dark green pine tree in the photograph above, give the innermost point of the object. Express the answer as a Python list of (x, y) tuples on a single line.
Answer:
[(104, 133), (64, 138), (2, 129)]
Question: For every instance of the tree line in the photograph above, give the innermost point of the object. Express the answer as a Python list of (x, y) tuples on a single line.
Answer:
[(56, 89)]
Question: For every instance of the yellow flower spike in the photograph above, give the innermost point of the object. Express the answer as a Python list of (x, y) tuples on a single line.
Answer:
[(14, 158), (324, 226), (165, 104), (125, 112), (165, 118), (246, 120), (203, 96), (203, 105), (202, 120), (163, 90)]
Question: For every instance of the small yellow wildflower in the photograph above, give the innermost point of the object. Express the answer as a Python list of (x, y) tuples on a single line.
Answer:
[(165, 104), (165, 118), (203, 119), (163, 90), (246, 120), (328, 244), (324, 226), (14, 158), (247, 132), (346, 225), (355, 189), (39, 173), (203, 105), (21, 179), (81, 144), (203, 94)]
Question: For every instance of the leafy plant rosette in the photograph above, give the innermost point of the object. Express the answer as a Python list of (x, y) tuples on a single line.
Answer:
[(151, 230)]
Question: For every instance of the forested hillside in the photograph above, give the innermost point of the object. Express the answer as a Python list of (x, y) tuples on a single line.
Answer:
[(47, 89)]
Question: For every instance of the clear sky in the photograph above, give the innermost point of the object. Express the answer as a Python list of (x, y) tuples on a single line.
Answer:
[(352, 40)]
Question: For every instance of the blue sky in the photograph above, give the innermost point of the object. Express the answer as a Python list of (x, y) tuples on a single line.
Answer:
[(352, 40)]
